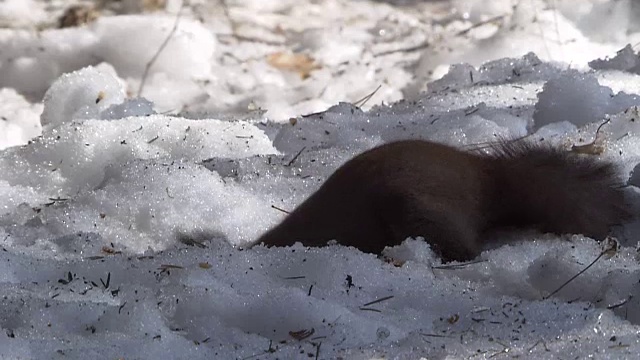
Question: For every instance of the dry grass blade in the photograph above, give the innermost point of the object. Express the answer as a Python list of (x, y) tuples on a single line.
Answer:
[(424, 45), (294, 277), (434, 335), (169, 266), (606, 251), (361, 102), (378, 301), (620, 304), (457, 266), (481, 23), (318, 351), (296, 156), (595, 147), (160, 49)]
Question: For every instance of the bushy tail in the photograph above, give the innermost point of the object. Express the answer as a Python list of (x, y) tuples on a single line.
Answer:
[(555, 190)]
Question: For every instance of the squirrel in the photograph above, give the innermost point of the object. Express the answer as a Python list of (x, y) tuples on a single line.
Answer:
[(455, 198)]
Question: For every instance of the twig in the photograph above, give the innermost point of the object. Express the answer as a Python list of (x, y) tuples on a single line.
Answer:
[(270, 350), (471, 111), (457, 266), (279, 209), (369, 309), (424, 45), (234, 26), (162, 46), (164, 267), (604, 252), (227, 14), (366, 98), (477, 25), (378, 301), (505, 349), (106, 284), (622, 303), (434, 335), (313, 114), (555, 21), (536, 344), (296, 156)]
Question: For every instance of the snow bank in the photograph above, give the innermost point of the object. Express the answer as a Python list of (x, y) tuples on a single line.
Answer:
[(121, 228)]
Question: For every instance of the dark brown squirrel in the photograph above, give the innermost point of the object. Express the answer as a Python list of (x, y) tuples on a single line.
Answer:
[(455, 198)]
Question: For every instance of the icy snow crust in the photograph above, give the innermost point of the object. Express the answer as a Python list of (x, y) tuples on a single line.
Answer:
[(122, 226), (117, 236)]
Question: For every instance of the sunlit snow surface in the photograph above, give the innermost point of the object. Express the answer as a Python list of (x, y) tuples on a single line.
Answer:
[(122, 226)]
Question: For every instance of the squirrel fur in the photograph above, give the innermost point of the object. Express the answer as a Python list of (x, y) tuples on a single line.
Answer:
[(454, 198)]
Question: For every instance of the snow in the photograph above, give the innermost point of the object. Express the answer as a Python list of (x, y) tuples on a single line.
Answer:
[(123, 215), (189, 52), (578, 99), (20, 119)]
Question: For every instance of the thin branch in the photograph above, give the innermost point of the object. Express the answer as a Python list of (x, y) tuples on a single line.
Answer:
[(424, 45), (606, 251), (481, 23), (622, 303), (280, 209), (296, 157), (361, 102), (160, 49), (378, 301), (457, 266)]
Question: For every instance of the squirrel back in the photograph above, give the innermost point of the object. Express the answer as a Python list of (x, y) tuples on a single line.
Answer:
[(454, 198)]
